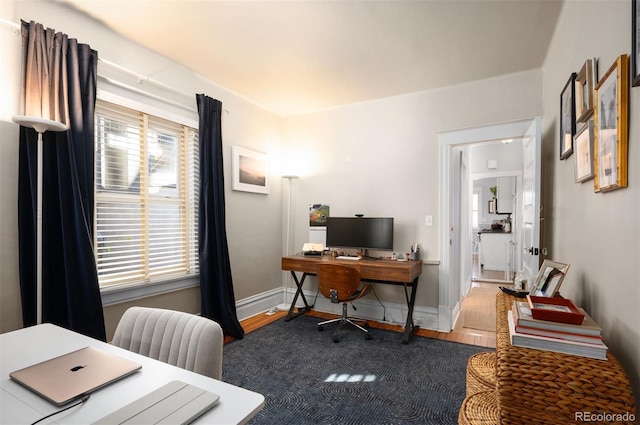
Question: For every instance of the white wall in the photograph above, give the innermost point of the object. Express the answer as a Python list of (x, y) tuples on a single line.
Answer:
[(380, 158), (597, 233), (508, 156), (254, 226)]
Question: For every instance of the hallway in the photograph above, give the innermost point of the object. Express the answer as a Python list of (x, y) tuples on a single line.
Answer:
[(482, 275)]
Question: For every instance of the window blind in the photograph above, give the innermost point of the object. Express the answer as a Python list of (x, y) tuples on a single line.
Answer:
[(147, 173)]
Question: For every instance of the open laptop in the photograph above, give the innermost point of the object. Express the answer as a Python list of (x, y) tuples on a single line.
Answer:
[(73, 375)]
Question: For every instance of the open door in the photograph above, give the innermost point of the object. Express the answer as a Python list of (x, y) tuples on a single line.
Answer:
[(450, 142), (530, 225)]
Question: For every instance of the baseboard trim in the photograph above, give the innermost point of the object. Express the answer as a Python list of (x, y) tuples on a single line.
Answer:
[(391, 313)]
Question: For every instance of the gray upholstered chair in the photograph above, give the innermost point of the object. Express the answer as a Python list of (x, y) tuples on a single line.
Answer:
[(181, 339)]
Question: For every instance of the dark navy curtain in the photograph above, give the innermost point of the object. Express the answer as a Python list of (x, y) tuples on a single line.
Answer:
[(216, 283), (65, 73)]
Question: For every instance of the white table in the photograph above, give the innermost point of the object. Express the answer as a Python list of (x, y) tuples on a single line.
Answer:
[(32, 345)]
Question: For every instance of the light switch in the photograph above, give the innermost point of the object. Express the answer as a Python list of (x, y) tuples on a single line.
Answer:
[(428, 220)]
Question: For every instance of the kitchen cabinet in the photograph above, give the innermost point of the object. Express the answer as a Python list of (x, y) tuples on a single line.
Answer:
[(506, 194), (496, 251)]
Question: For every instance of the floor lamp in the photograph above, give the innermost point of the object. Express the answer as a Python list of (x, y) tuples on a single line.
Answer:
[(40, 125), (284, 306)]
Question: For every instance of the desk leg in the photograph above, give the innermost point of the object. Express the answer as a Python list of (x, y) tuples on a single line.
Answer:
[(299, 292), (409, 328)]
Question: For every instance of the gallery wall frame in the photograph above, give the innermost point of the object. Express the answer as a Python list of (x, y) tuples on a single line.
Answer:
[(583, 152), (635, 42), (250, 170), (585, 82), (611, 127), (567, 117)]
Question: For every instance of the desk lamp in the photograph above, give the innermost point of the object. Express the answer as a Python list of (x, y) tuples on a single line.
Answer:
[(40, 125)]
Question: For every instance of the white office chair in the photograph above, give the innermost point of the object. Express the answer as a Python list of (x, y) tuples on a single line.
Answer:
[(178, 338)]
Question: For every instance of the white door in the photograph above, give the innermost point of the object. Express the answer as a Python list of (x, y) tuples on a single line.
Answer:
[(456, 219), (530, 235), (449, 270)]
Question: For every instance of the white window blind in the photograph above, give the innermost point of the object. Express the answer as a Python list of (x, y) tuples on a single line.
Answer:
[(147, 172)]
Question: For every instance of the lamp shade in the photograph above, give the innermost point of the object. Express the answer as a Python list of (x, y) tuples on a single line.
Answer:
[(39, 124)]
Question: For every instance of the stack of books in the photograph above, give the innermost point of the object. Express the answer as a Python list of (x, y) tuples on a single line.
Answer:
[(581, 340)]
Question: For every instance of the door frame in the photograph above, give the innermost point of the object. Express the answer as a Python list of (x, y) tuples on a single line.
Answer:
[(449, 237)]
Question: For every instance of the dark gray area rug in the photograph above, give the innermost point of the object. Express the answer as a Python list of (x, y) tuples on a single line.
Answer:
[(306, 378)]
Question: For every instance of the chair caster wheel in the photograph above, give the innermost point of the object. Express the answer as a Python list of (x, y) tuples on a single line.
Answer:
[(367, 336), (320, 328), (335, 339)]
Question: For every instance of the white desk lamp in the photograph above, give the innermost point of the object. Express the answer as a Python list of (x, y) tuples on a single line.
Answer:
[(284, 306), (40, 125)]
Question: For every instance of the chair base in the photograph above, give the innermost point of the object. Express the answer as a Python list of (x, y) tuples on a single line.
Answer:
[(341, 322)]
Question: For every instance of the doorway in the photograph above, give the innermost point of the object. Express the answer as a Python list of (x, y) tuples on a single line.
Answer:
[(452, 143), (495, 257)]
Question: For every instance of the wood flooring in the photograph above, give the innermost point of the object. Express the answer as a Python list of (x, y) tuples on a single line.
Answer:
[(459, 334)]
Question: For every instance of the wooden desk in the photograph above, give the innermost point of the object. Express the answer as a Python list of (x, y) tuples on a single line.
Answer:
[(405, 273), (35, 344)]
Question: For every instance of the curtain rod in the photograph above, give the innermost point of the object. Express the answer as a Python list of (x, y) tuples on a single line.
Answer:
[(10, 23), (141, 78), (142, 92)]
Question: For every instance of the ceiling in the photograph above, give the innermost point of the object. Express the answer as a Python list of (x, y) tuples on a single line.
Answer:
[(297, 56)]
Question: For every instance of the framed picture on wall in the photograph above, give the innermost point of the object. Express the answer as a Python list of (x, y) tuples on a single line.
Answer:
[(492, 206), (567, 117), (635, 42), (611, 120), (583, 152), (250, 170), (585, 81)]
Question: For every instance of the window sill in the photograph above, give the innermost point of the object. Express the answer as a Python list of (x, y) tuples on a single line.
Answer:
[(132, 291)]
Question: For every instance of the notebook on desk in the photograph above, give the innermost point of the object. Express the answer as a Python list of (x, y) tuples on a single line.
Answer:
[(70, 376), (176, 403)]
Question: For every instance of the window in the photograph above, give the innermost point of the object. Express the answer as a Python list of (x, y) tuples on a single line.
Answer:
[(146, 196), (475, 207)]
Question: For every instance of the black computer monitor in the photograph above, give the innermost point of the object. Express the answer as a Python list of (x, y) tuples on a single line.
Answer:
[(360, 232)]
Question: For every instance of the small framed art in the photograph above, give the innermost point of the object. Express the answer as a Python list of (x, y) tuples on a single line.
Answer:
[(583, 152), (250, 170), (549, 279), (611, 114), (567, 117), (585, 81), (635, 42)]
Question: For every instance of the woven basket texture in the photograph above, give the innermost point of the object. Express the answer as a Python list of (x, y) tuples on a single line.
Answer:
[(543, 387), (479, 409), (481, 373)]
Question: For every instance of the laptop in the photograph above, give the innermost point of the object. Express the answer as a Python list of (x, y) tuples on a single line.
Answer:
[(73, 375)]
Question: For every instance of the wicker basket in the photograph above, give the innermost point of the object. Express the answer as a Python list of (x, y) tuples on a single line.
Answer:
[(479, 409), (481, 373), (542, 387)]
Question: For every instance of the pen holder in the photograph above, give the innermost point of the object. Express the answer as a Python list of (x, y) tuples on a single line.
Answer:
[(415, 256)]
